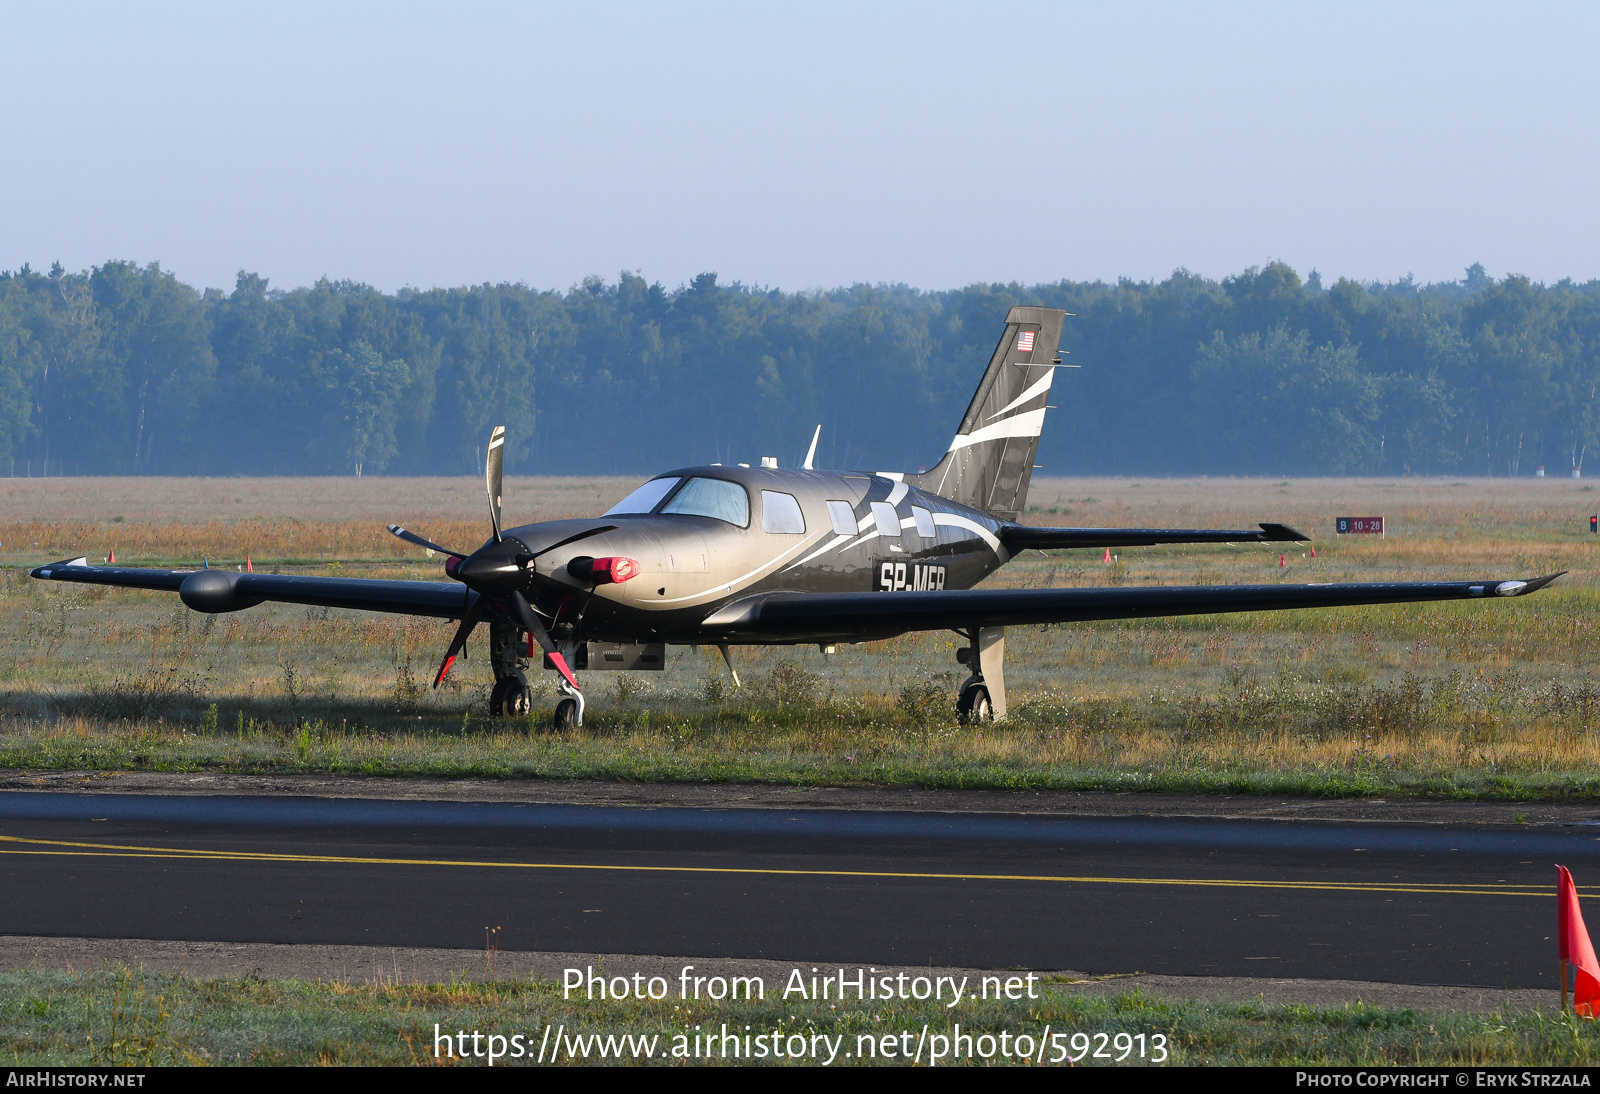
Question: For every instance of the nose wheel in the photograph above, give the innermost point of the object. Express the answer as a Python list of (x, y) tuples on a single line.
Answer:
[(569, 710)]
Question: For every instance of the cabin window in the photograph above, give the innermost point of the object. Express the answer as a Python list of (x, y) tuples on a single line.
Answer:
[(717, 498), (924, 521), (781, 513), (644, 499), (888, 520), (843, 515)]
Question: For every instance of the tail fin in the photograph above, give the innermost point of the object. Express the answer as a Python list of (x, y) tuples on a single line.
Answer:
[(990, 461)]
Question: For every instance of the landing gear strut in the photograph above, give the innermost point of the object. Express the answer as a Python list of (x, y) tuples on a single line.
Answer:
[(983, 694), (511, 696), (569, 711)]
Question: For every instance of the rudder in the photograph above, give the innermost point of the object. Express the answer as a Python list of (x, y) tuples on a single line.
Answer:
[(989, 464)]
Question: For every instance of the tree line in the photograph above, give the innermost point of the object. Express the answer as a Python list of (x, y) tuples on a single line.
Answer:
[(123, 369)]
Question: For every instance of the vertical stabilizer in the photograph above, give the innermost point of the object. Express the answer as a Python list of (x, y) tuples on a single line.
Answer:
[(990, 461)]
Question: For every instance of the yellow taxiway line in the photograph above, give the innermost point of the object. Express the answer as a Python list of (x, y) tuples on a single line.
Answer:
[(16, 845)]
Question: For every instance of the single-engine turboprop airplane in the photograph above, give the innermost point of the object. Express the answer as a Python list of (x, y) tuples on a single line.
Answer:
[(718, 555)]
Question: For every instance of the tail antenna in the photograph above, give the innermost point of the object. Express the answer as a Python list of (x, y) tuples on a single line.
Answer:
[(811, 453)]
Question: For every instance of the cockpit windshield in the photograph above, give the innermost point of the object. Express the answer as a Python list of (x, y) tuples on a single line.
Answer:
[(644, 499), (712, 498)]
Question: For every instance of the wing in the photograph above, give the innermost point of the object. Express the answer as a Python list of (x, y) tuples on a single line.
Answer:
[(809, 617), (222, 591), (1018, 537)]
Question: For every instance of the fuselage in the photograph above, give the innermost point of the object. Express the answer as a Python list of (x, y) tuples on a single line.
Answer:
[(719, 534)]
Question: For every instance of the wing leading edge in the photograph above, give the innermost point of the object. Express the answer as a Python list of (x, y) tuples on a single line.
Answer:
[(1019, 537), (804, 617), (222, 591)]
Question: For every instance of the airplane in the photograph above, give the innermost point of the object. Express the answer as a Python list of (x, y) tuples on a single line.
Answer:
[(740, 555)]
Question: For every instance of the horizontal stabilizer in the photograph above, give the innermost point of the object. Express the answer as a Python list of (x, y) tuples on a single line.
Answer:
[(1018, 537)]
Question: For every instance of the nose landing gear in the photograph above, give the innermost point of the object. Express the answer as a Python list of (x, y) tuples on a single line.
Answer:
[(569, 711)]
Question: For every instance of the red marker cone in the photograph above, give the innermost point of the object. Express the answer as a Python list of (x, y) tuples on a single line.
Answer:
[(1575, 949), (1281, 563), (111, 559), (249, 569), (1313, 552), (1108, 554)]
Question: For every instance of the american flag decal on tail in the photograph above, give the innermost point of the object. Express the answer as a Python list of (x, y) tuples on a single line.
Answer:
[(1025, 341)]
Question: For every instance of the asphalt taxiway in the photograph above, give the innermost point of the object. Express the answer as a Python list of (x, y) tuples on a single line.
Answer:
[(1453, 903)]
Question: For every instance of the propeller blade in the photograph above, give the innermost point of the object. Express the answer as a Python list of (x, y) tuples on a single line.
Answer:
[(574, 539), (531, 624), (458, 643), (412, 537), (493, 471), (444, 669)]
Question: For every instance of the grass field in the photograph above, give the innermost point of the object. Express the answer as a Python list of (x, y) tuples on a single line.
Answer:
[(130, 1017), (1469, 699)]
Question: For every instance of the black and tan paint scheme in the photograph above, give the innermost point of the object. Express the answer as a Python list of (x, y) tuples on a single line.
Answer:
[(766, 555)]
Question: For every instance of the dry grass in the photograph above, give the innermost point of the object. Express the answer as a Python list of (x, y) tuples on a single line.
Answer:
[(1466, 698), (160, 520)]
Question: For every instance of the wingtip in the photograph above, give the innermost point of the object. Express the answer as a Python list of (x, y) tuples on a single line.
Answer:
[(1522, 588), (1537, 583), (44, 571)]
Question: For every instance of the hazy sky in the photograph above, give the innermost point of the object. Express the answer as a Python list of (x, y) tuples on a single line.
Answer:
[(800, 145)]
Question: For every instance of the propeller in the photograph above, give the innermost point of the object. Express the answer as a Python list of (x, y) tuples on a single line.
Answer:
[(497, 571)]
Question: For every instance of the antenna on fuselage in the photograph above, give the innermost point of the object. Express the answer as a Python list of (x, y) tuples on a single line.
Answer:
[(811, 453)]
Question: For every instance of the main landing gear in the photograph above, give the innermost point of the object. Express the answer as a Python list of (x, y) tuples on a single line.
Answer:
[(511, 696), (983, 694)]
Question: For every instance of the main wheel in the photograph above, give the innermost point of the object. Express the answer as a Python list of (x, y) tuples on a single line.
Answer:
[(974, 705), (511, 697), (517, 700), (566, 713), (497, 696)]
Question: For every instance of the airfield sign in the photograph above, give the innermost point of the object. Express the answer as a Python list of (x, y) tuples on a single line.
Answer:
[(1368, 526)]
